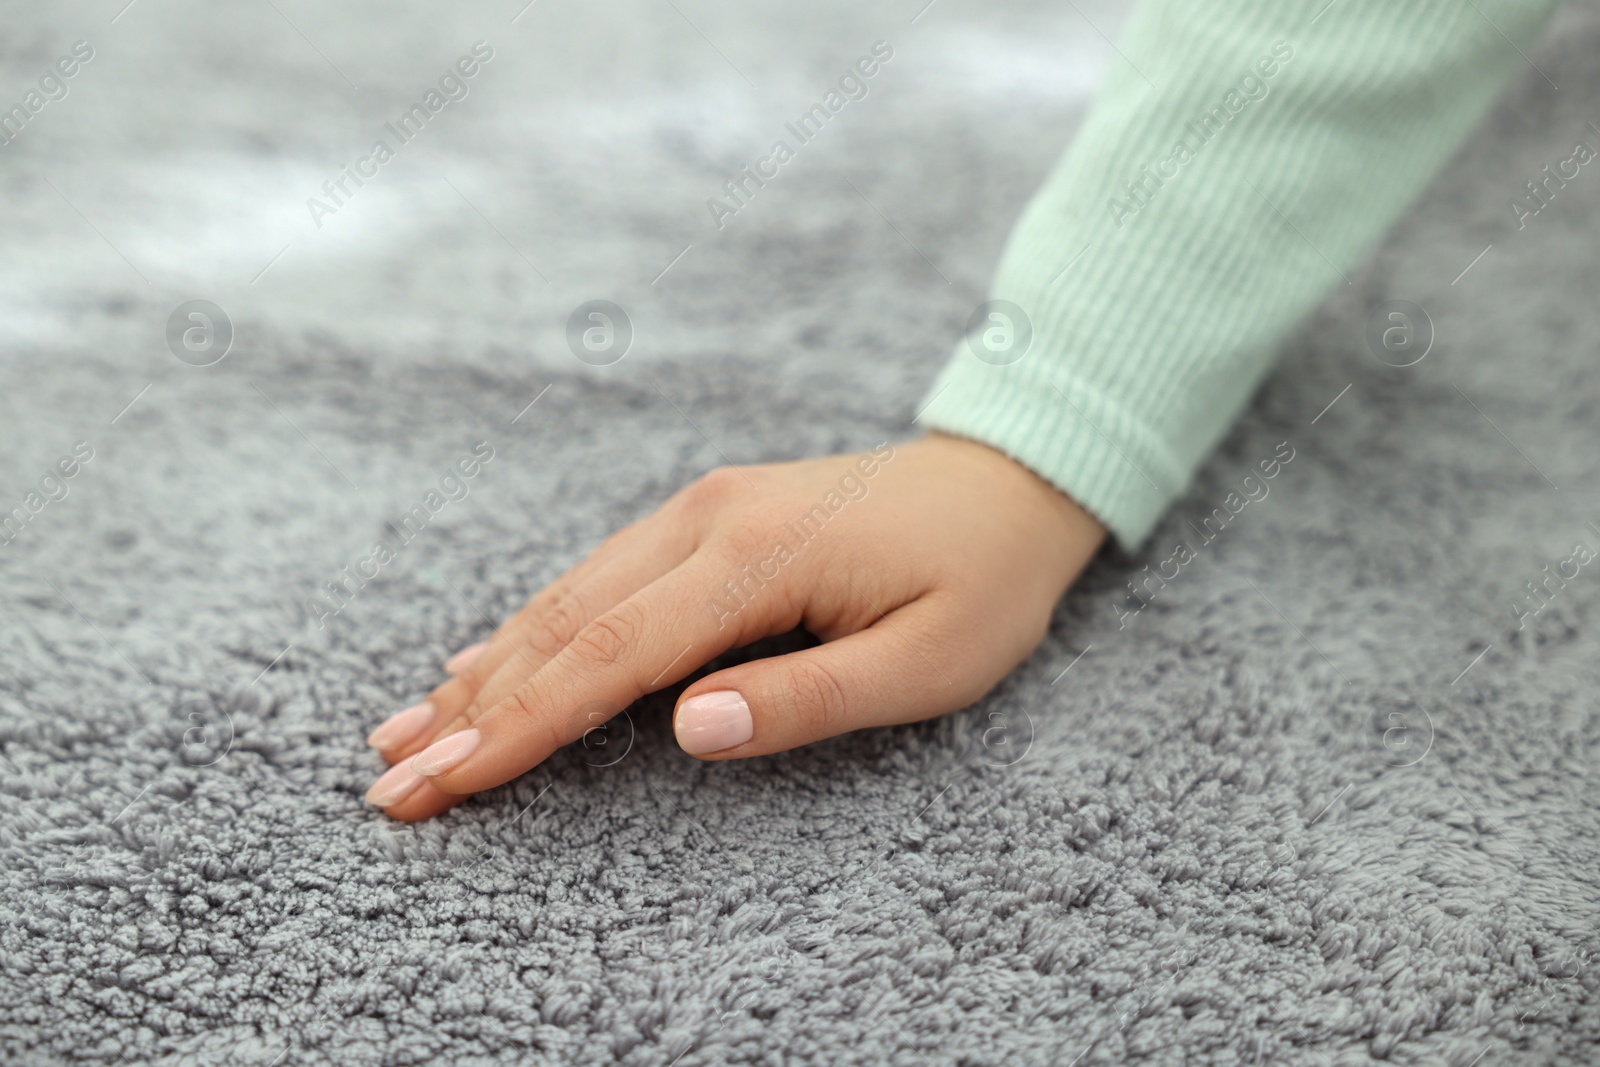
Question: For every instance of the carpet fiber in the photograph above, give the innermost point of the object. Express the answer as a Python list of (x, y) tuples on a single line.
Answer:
[(1320, 801)]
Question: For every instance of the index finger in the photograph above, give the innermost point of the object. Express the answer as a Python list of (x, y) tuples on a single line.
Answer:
[(656, 637)]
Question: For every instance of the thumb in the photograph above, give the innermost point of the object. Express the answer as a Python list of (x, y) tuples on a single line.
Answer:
[(892, 672)]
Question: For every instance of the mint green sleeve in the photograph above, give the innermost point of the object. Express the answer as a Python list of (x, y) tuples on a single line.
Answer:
[(1240, 161)]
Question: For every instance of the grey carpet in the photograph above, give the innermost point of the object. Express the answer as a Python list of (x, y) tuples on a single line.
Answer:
[(1320, 802)]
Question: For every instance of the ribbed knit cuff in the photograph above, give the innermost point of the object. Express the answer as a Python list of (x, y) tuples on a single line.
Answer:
[(1101, 455)]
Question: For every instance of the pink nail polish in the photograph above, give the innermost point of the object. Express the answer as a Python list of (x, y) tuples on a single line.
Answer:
[(712, 722), (446, 754), (402, 727), (463, 659), (397, 783)]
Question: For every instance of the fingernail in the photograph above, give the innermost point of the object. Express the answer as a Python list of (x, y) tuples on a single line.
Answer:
[(402, 727), (443, 755), (463, 659), (397, 783), (712, 722)]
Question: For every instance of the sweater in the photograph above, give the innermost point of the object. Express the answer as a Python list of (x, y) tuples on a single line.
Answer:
[(1242, 159)]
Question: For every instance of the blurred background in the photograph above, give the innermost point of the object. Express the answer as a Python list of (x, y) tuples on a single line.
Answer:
[(578, 167)]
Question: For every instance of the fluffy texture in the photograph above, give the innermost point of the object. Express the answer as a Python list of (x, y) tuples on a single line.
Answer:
[(1321, 801)]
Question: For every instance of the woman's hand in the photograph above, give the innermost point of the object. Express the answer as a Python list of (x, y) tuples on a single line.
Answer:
[(928, 570)]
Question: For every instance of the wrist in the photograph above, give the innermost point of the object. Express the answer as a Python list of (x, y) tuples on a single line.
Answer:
[(1067, 533)]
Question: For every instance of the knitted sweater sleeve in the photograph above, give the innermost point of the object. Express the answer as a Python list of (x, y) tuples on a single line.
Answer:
[(1241, 160)]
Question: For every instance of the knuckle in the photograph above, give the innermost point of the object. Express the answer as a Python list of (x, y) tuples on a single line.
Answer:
[(605, 642), (820, 701), (747, 537), (555, 624), (719, 484), (707, 495), (530, 704), (522, 702)]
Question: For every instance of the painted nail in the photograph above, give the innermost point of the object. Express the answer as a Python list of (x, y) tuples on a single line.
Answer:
[(444, 755), (397, 783), (402, 727), (463, 659), (712, 722)]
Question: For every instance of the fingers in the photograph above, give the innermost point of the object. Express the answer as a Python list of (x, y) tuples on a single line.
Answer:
[(414, 803), (652, 639), (623, 565), (900, 669), (463, 659)]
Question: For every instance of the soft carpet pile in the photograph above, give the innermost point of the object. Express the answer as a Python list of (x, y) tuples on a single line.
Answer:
[(1326, 798)]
